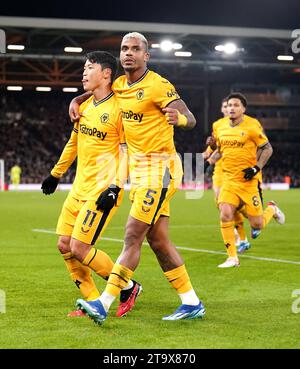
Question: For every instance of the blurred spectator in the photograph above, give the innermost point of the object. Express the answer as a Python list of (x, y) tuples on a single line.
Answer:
[(15, 175), (34, 130)]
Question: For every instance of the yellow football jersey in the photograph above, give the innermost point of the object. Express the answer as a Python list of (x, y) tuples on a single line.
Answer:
[(238, 146), (218, 168), (15, 171), (218, 172), (67, 156), (149, 137), (146, 128), (99, 135)]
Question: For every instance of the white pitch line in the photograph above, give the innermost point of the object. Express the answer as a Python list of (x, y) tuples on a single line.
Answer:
[(102, 238), (191, 249), (43, 231), (243, 256)]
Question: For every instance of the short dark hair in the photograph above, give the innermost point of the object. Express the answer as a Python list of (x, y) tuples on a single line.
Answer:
[(105, 59), (238, 95)]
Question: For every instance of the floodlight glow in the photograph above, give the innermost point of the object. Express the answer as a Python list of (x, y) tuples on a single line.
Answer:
[(70, 89), (177, 46), (43, 89), (285, 57), (166, 45), (219, 47), (71, 49), (155, 46), (230, 48), (15, 47), (186, 54), (14, 88)]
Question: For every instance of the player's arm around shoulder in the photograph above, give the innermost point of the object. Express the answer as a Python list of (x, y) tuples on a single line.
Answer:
[(74, 106), (178, 114)]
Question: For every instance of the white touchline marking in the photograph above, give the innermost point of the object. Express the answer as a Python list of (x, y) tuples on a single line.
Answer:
[(43, 231), (189, 249)]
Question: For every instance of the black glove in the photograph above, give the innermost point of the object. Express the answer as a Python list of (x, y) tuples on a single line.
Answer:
[(251, 172), (108, 199), (49, 185)]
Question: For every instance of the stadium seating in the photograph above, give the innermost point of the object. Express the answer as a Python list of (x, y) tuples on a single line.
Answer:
[(35, 128)]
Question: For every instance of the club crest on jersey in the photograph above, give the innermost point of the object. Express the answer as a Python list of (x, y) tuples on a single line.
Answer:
[(140, 94), (104, 118)]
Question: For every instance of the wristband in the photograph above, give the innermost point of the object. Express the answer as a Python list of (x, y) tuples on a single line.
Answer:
[(257, 168), (182, 120)]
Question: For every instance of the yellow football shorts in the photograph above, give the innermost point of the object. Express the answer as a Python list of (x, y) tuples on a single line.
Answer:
[(80, 219), (148, 204), (250, 196)]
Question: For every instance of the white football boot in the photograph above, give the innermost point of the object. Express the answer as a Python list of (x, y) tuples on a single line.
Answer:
[(279, 215), (230, 262)]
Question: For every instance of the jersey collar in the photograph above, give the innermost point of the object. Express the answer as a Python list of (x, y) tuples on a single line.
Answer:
[(236, 125), (138, 80), (96, 103)]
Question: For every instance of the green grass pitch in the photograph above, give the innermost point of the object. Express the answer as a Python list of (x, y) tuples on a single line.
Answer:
[(247, 307)]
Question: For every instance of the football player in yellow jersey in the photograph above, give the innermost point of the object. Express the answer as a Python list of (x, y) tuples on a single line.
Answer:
[(238, 142), (150, 108), (95, 141), (241, 239), (15, 176), (217, 173)]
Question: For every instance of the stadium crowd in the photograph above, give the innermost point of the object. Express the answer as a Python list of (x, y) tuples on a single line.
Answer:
[(35, 128)]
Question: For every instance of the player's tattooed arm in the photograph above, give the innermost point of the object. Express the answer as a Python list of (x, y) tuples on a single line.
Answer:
[(258, 153), (215, 156), (264, 152), (74, 106), (178, 114)]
